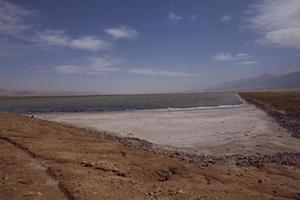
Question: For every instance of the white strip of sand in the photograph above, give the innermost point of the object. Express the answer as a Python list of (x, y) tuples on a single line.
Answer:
[(243, 130)]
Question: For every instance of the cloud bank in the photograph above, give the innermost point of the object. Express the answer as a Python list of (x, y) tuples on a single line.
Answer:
[(12, 18), (242, 58), (14, 21), (157, 72), (278, 21), (226, 56), (60, 39)]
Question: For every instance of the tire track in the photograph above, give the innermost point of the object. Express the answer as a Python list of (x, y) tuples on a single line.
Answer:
[(42, 162)]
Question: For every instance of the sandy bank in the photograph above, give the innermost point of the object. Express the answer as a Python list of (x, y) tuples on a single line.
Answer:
[(243, 130), (45, 160)]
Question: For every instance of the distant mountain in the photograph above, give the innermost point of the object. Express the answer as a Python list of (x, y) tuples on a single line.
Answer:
[(263, 82), (4, 92), (8, 93)]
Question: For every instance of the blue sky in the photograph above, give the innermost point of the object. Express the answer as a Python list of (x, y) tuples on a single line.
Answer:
[(144, 46)]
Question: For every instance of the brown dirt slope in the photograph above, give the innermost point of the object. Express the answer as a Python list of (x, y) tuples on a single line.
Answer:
[(284, 107), (44, 160)]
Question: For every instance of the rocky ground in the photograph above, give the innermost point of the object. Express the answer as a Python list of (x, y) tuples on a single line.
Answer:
[(257, 160), (46, 160), (284, 107)]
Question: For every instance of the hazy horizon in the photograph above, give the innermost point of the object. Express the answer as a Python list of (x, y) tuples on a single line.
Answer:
[(136, 46)]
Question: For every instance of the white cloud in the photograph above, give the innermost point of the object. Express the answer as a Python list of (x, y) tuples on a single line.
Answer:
[(122, 32), (242, 55), (103, 65), (278, 21), (226, 18), (250, 62), (13, 23), (156, 72), (293, 69), (95, 65), (174, 17), (242, 58), (223, 56), (226, 56), (54, 37), (89, 43), (193, 17), (12, 18), (59, 38)]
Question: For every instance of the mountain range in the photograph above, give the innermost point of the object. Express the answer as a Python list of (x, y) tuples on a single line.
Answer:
[(20, 93), (262, 82), (289, 81)]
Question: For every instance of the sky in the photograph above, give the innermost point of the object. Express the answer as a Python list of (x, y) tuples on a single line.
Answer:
[(141, 46)]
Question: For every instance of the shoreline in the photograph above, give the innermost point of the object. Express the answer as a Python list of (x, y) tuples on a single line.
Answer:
[(245, 130), (241, 160), (52, 160), (256, 160), (171, 109), (283, 157), (120, 103)]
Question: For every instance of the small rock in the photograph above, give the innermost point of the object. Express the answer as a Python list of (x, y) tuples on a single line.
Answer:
[(181, 191), (158, 190), (83, 162), (22, 182), (31, 193), (87, 164), (149, 193), (119, 173), (123, 153), (171, 193)]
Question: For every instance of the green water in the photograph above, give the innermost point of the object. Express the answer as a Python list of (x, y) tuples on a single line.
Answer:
[(115, 102)]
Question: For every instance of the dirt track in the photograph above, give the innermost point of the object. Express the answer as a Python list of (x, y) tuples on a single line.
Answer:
[(44, 160)]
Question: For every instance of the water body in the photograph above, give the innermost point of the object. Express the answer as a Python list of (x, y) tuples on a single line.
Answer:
[(106, 103)]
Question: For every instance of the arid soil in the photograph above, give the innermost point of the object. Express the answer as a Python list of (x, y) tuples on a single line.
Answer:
[(46, 160), (288, 101), (284, 107)]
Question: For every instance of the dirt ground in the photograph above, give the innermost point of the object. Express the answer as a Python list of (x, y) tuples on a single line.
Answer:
[(288, 101), (47, 160), (282, 106)]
